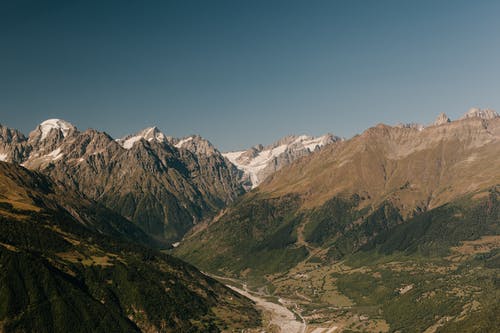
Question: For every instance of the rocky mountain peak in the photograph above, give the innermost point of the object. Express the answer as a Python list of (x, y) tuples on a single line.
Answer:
[(287, 140), (150, 134), (8, 135), (195, 144), (441, 119), (50, 133), (12, 144), (258, 147), (54, 124), (416, 126), (480, 113)]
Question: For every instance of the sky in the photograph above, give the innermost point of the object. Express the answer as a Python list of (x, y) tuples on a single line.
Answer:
[(246, 72)]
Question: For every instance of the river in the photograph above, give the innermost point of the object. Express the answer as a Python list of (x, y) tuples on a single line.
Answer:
[(280, 315)]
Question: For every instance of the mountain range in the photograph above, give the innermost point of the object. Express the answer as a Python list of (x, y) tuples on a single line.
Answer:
[(337, 227), (393, 230), (402, 170), (163, 184)]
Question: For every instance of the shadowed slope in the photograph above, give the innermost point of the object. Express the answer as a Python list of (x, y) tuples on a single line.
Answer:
[(67, 266)]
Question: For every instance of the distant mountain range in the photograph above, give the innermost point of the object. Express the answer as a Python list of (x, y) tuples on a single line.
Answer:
[(144, 177), (259, 162)]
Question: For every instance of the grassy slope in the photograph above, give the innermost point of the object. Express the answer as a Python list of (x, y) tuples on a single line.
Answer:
[(60, 274), (380, 254)]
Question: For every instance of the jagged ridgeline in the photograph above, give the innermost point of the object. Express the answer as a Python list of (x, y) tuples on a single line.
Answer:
[(396, 229), (406, 210), (164, 185), (70, 265), (349, 192)]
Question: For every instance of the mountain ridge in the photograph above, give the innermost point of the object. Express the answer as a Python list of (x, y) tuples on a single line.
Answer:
[(163, 189), (70, 265), (390, 230), (166, 185)]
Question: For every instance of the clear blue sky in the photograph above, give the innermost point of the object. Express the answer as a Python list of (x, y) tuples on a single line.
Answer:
[(245, 72)]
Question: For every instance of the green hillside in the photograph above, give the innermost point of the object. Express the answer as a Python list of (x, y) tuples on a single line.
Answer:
[(342, 261), (61, 274)]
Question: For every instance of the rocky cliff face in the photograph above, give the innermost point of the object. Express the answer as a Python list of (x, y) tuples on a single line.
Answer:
[(259, 162), (12, 145), (164, 188)]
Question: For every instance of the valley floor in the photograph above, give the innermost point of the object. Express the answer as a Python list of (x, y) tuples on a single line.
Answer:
[(280, 316), (382, 293)]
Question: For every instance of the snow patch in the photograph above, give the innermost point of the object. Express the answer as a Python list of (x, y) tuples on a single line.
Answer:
[(129, 143), (3, 157), (153, 134), (57, 124), (183, 141), (232, 156), (55, 154), (253, 166), (149, 134)]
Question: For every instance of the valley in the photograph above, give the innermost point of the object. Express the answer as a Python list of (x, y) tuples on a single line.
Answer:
[(280, 318), (265, 166), (394, 230), (70, 265), (364, 236), (363, 294)]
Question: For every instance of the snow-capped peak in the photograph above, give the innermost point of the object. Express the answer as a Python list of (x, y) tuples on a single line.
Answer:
[(195, 144), (259, 162), (149, 134), (152, 134), (58, 124), (311, 143)]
